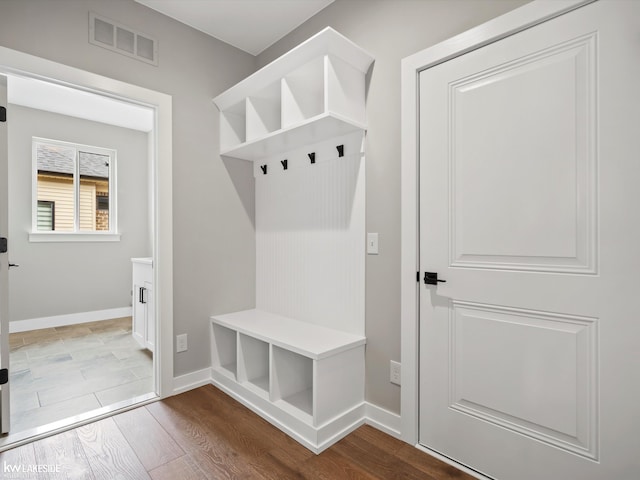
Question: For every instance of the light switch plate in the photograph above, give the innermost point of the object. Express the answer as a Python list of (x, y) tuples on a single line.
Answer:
[(395, 372), (372, 243), (181, 343)]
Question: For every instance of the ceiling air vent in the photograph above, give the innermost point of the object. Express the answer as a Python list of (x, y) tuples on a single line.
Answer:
[(116, 37)]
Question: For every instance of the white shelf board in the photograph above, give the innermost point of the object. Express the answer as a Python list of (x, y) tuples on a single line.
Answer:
[(143, 260), (262, 383), (303, 401), (304, 338), (326, 125), (325, 42), (229, 369), (298, 405), (260, 390)]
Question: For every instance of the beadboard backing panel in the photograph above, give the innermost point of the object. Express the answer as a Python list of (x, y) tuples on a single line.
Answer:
[(310, 229)]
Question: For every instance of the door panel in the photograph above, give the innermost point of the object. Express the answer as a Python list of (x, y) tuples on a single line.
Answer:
[(528, 187), (548, 223), (4, 261), (563, 377)]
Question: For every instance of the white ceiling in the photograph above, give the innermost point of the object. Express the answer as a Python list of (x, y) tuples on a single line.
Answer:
[(52, 97), (250, 25)]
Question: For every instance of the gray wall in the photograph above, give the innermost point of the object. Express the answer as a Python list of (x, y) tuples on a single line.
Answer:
[(214, 238), (62, 278), (390, 30), (213, 201)]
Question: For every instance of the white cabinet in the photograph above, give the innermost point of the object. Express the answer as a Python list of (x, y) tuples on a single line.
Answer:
[(316, 91), (143, 322), (306, 379), (298, 358)]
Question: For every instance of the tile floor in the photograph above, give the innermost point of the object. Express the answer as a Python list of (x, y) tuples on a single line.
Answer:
[(60, 372)]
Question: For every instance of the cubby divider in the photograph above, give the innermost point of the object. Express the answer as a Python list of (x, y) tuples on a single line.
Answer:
[(224, 353), (345, 92), (233, 128), (253, 363), (264, 112), (303, 93)]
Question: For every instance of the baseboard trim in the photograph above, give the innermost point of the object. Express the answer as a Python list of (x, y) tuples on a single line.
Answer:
[(315, 438), (68, 319), (192, 380), (384, 420), (366, 413)]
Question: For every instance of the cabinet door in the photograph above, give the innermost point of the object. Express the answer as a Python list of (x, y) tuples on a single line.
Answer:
[(149, 318), (139, 315)]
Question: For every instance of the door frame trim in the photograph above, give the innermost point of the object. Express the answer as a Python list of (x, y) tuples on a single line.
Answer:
[(160, 152), (501, 27)]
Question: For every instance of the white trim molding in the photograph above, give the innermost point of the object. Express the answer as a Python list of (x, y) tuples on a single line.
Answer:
[(192, 380), (508, 24), (366, 413), (13, 62), (51, 237), (316, 439), (67, 319), (383, 420)]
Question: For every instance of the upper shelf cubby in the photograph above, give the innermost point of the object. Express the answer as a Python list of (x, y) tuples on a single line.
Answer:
[(313, 92)]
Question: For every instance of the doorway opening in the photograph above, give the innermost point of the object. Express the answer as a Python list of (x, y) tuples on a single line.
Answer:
[(82, 327), (73, 350)]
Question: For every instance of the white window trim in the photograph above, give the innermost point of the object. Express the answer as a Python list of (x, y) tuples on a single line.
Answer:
[(51, 237), (78, 235)]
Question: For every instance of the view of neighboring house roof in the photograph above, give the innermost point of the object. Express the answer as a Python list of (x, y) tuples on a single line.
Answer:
[(60, 159)]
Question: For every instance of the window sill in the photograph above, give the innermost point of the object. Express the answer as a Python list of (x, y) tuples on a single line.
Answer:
[(63, 237)]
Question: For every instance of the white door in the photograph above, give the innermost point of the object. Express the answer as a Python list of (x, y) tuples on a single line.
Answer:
[(4, 259), (529, 198)]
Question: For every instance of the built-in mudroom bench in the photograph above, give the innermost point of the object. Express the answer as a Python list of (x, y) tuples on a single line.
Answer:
[(297, 359), (309, 378)]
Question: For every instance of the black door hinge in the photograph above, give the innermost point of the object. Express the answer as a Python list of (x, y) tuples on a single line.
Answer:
[(3, 114), (418, 277), (3, 245), (4, 376)]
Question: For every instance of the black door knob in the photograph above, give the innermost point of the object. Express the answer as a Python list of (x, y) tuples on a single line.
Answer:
[(431, 278)]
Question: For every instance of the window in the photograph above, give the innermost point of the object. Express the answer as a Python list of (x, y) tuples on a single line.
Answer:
[(74, 188), (46, 216)]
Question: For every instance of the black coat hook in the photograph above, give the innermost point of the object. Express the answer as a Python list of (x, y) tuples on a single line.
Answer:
[(285, 164), (264, 169), (340, 150), (312, 157)]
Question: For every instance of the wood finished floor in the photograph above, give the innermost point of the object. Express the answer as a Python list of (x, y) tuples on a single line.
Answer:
[(61, 372), (204, 434)]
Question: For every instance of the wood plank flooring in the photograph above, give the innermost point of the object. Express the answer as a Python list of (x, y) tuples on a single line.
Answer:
[(66, 371), (204, 435)]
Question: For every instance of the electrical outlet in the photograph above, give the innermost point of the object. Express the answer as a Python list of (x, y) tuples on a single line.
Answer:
[(394, 372), (181, 343)]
